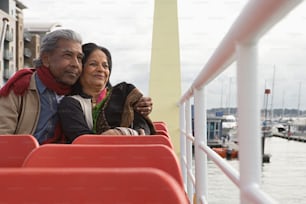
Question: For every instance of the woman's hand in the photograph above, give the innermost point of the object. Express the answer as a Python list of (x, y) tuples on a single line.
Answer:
[(111, 132), (144, 106), (123, 131)]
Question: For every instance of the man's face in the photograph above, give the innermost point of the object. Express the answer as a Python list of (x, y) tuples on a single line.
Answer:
[(65, 62)]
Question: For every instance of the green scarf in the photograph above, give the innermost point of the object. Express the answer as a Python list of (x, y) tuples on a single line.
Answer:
[(97, 109)]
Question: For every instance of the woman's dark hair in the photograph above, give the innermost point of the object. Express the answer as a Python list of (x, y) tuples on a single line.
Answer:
[(87, 49)]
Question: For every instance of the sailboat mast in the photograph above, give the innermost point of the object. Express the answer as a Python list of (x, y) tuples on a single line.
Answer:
[(283, 104), (299, 100), (229, 96), (272, 94)]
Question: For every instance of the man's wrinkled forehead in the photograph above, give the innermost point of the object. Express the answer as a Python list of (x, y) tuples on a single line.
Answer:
[(70, 49)]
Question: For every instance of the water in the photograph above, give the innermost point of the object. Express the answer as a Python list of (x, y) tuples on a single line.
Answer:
[(284, 178)]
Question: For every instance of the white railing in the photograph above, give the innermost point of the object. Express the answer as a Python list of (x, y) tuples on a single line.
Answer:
[(2, 37), (240, 45)]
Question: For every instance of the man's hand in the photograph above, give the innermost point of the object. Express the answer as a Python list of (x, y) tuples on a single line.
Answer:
[(144, 106)]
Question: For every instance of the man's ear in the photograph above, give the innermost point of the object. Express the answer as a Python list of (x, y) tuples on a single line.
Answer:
[(45, 59)]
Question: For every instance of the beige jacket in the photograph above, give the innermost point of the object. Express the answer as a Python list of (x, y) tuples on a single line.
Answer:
[(20, 114)]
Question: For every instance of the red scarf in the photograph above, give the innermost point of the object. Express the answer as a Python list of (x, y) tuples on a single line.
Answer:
[(48, 80), (58, 136), (20, 82), (102, 95)]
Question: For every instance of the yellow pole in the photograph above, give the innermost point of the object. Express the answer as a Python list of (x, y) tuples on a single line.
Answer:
[(165, 76)]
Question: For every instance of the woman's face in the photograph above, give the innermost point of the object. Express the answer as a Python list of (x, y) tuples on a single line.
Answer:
[(95, 71)]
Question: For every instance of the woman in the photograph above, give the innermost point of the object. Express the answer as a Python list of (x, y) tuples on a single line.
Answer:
[(95, 107)]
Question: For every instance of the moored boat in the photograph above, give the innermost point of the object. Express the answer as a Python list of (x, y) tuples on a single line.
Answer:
[(226, 152), (229, 127)]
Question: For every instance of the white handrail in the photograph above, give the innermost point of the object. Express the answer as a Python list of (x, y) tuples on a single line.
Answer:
[(2, 37), (5, 23), (239, 44)]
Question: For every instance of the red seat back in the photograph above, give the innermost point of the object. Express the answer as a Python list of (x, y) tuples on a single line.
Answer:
[(162, 132), (160, 126), (123, 139), (67, 155), (15, 148), (89, 185)]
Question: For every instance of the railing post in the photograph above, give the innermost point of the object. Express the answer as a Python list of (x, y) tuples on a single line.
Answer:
[(190, 187), (200, 131), (5, 22), (183, 144), (249, 118)]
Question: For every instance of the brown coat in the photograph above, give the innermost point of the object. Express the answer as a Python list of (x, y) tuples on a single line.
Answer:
[(20, 114)]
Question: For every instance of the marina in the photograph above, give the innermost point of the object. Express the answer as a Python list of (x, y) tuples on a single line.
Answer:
[(293, 128), (239, 46), (284, 178)]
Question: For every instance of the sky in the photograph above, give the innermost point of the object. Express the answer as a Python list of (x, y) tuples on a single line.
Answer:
[(125, 28)]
